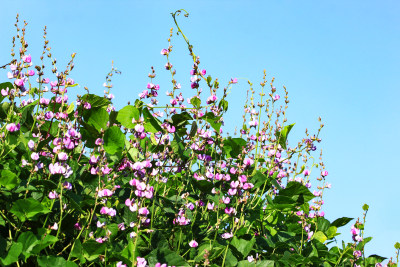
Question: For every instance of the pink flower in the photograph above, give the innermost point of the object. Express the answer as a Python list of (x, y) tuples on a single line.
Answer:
[(203, 72), (19, 82), (306, 172), (35, 156), (87, 105), (234, 80), (53, 195), (27, 59), (324, 173), (160, 265), (276, 97), (141, 262), (248, 161), (98, 141), (120, 264), (164, 52), (139, 128), (62, 156), (105, 193), (227, 235), (144, 211), (12, 127), (31, 72), (4, 92), (193, 244)]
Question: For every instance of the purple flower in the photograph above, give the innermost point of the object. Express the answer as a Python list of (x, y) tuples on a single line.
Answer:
[(12, 127), (248, 161), (193, 244), (144, 211), (98, 141), (87, 105), (19, 82), (27, 59), (67, 185), (35, 156), (53, 195), (141, 262), (227, 235), (62, 156), (139, 128), (105, 193), (164, 52)]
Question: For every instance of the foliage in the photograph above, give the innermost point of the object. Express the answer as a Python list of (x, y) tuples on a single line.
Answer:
[(84, 184)]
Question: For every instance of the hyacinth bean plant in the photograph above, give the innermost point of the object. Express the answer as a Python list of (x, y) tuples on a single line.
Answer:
[(83, 184)]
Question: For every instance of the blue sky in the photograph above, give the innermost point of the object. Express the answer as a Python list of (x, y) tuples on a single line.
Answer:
[(338, 59)]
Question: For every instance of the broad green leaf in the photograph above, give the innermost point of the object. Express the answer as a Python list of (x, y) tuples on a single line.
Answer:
[(213, 121), (27, 208), (320, 236), (331, 233), (95, 100), (43, 243), (234, 146), (71, 108), (114, 140), (230, 259), (283, 135), (181, 119), (93, 249), (242, 245), (77, 251), (297, 192), (12, 254), (151, 124), (29, 240), (264, 263), (98, 118), (8, 179), (196, 102), (341, 222), (52, 261), (126, 115)]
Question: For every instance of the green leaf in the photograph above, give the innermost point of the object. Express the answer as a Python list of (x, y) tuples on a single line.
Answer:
[(297, 192), (193, 129), (12, 254), (44, 243), (242, 245), (213, 121), (8, 179), (52, 261), (230, 259), (93, 249), (181, 119), (365, 207), (320, 236), (98, 118), (114, 140), (71, 108), (282, 135), (151, 125), (397, 245), (196, 102), (29, 240), (223, 104), (95, 100), (341, 222), (264, 263), (234, 146), (126, 115), (28, 208), (77, 251), (331, 233)]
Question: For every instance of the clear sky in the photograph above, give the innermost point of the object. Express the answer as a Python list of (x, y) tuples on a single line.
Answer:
[(338, 59)]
